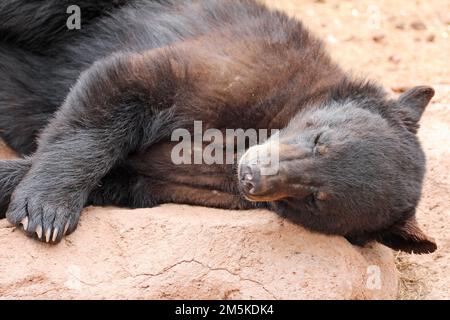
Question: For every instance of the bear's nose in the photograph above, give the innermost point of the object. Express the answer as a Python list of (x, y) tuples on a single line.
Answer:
[(250, 177)]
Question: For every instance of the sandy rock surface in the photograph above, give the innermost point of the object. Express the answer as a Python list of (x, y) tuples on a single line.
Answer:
[(188, 252)]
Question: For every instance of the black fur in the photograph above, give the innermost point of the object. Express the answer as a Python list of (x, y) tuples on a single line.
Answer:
[(94, 109)]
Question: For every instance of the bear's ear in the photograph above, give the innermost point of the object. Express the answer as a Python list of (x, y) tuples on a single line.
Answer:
[(407, 236), (412, 103)]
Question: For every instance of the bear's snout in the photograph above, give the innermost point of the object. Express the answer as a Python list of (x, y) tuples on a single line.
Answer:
[(255, 186), (259, 175), (250, 179)]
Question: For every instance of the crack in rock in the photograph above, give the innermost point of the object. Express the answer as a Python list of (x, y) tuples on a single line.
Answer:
[(166, 269)]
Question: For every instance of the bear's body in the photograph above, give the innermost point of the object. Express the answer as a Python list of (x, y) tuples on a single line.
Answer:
[(101, 103)]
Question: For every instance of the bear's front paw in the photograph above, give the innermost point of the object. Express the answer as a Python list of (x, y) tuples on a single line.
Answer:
[(43, 216)]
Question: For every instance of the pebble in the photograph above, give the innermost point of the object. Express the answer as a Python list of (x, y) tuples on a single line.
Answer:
[(431, 37), (394, 59), (332, 39), (400, 26), (378, 38), (418, 25)]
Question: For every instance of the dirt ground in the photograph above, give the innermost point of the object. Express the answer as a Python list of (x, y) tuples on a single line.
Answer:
[(401, 44)]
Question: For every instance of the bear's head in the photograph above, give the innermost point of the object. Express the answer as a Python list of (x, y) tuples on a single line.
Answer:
[(351, 166)]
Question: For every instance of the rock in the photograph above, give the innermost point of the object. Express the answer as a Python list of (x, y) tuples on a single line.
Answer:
[(418, 25), (332, 39), (394, 59), (431, 38), (379, 37), (184, 252), (400, 26)]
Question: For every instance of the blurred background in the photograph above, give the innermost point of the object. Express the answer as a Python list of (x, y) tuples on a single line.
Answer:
[(400, 44)]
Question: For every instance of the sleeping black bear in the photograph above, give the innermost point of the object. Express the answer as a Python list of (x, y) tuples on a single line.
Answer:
[(92, 111)]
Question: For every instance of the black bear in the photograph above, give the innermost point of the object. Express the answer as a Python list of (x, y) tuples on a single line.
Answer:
[(92, 112)]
